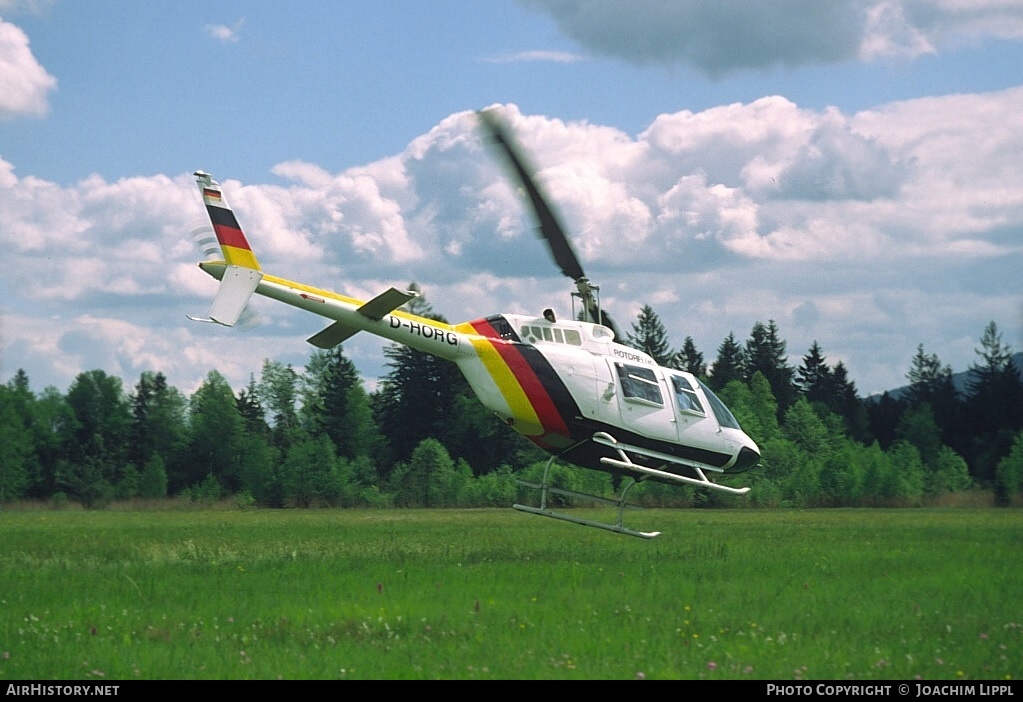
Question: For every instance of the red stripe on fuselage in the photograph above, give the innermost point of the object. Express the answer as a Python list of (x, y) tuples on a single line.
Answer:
[(536, 393)]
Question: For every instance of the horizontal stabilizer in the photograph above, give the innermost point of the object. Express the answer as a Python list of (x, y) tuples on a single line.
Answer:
[(385, 303), (331, 336), (236, 287)]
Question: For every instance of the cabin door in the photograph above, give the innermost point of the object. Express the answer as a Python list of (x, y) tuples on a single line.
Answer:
[(644, 400)]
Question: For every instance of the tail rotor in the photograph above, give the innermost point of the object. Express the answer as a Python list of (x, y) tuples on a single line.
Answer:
[(205, 240)]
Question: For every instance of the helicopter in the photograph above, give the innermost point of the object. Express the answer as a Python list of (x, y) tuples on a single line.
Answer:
[(566, 384)]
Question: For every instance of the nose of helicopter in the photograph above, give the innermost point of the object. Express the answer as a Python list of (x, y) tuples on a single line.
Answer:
[(747, 459)]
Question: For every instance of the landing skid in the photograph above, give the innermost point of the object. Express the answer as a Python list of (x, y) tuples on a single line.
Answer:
[(623, 462), (547, 489)]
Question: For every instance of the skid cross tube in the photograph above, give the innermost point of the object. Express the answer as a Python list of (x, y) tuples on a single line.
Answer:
[(546, 489)]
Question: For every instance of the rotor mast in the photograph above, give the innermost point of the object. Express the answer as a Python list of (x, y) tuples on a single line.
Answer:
[(548, 224)]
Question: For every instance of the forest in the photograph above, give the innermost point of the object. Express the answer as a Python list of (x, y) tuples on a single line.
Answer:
[(315, 437)]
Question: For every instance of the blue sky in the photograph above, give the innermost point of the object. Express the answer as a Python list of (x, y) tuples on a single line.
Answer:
[(848, 169)]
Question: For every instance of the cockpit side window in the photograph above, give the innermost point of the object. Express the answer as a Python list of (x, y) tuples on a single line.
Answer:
[(723, 414), (685, 396), (639, 384)]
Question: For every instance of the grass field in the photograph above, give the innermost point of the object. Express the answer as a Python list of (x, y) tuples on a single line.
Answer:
[(459, 594)]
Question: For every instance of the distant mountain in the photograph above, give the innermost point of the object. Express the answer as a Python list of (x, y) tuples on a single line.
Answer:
[(961, 381)]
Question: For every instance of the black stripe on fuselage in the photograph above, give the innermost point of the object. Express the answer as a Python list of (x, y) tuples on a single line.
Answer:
[(563, 401), (587, 453)]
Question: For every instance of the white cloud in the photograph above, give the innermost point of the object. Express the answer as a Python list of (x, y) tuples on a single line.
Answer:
[(888, 32), (536, 55), (225, 34), (24, 84)]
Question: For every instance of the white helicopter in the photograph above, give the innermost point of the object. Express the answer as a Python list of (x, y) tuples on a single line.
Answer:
[(565, 385)]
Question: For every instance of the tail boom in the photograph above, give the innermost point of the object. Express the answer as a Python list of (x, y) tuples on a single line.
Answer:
[(240, 277)]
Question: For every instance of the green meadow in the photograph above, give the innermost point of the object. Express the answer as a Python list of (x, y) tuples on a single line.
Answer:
[(225, 593)]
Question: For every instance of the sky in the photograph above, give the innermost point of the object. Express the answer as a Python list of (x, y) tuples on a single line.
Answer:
[(851, 170)]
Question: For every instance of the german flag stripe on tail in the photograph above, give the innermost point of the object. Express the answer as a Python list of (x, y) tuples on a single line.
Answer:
[(229, 232), (233, 243)]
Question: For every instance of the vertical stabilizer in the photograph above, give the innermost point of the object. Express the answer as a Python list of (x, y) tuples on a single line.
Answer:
[(233, 243), (242, 274)]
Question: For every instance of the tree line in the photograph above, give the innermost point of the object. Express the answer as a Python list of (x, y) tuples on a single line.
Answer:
[(316, 437)]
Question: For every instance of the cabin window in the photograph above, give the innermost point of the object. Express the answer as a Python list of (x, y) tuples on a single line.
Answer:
[(639, 384), (533, 334), (685, 395)]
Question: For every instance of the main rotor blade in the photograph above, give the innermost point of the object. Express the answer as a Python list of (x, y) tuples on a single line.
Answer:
[(550, 227)]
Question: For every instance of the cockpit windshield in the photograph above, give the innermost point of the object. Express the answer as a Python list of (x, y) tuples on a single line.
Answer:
[(723, 414)]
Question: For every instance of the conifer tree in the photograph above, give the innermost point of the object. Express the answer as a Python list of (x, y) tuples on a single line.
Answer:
[(648, 334), (335, 403), (251, 409), (994, 405), (814, 376), (730, 364), (931, 384), (415, 398), (929, 381), (765, 352), (690, 360), (995, 388), (846, 403), (158, 420)]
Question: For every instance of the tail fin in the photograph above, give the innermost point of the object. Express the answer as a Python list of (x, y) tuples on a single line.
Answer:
[(233, 243), (241, 276)]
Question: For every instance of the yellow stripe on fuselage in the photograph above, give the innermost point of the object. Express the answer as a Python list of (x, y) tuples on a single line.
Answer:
[(355, 302), (526, 420)]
